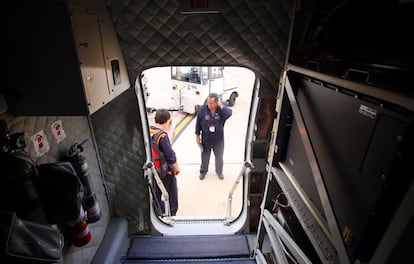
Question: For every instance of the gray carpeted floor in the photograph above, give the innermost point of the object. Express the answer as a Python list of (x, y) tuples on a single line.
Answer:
[(189, 247)]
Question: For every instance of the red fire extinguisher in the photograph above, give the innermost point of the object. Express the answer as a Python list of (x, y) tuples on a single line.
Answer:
[(89, 201), (80, 234)]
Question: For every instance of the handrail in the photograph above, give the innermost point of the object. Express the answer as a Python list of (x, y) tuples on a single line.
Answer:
[(275, 242), (246, 165), (149, 165), (164, 194), (259, 257), (282, 235)]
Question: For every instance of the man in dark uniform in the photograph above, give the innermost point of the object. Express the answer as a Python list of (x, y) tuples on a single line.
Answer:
[(209, 132), (163, 122)]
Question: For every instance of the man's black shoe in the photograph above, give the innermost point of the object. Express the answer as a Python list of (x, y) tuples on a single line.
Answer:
[(202, 176), (221, 176)]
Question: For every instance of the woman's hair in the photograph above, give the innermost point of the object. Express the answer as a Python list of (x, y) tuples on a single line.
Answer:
[(162, 116)]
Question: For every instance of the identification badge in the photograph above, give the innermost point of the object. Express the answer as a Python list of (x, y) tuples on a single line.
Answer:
[(212, 129)]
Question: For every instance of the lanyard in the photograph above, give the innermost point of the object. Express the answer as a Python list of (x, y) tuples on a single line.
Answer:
[(212, 119)]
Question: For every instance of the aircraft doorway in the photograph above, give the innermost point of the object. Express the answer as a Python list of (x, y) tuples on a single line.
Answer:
[(208, 198)]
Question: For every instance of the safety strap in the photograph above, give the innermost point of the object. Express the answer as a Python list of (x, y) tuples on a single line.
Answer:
[(158, 135)]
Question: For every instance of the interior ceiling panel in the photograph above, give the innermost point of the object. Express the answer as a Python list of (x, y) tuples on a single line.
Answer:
[(255, 34), (249, 33)]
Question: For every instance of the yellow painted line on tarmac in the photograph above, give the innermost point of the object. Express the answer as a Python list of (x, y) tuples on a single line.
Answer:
[(182, 124)]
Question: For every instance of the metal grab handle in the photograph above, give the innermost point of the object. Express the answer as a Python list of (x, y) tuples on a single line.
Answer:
[(357, 74), (246, 165), (164, 194)]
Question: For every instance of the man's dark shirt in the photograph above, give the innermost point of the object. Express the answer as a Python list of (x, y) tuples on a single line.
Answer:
[(205, 120), (165, 146)]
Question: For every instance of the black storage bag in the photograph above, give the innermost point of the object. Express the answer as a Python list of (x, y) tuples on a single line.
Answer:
[(18, 187), (28, 242), (60, 190)]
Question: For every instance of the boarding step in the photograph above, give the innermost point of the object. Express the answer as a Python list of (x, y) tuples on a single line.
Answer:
[(195, 261), (211, 249)]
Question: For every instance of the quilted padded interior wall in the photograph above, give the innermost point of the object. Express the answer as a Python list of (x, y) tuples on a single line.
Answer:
[(250, 33), (118, 133), (154, 33)]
